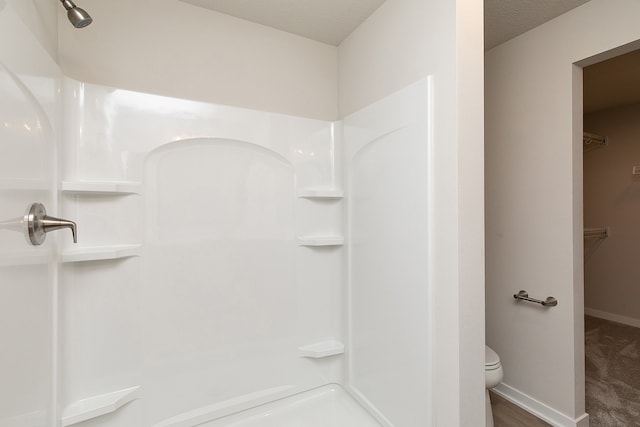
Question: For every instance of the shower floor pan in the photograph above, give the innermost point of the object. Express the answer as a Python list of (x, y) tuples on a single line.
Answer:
[(326, 406)]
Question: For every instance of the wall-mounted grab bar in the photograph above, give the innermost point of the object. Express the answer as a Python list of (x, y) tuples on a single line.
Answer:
[(524, 295)]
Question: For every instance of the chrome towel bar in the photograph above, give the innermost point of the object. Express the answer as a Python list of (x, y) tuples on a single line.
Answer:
[(524, 295)]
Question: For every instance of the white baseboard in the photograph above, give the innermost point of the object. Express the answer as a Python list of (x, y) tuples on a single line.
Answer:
[(539, 409), (630, 321)]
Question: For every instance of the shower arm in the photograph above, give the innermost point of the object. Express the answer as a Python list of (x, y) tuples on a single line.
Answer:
[(68, 4)]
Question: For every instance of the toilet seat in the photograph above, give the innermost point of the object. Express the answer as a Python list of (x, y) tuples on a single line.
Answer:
[(491, 359)]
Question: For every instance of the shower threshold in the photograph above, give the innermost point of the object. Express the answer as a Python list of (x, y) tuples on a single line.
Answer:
[(329, 405)]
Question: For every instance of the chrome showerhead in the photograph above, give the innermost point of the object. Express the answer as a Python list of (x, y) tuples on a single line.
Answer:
[(79, 17)]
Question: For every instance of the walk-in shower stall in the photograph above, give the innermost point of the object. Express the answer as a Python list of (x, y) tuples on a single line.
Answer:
[(233, 267)]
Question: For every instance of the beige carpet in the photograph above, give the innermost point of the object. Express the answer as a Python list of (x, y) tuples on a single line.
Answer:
[(612, 373)]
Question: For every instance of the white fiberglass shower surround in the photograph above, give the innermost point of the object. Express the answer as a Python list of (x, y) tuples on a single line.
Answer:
[(233, 267)]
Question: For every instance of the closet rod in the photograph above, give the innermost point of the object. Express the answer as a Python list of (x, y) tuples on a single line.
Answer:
[(592, 141), (596, 233)]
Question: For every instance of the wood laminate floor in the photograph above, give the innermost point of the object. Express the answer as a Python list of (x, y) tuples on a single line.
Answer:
[(506, 414)]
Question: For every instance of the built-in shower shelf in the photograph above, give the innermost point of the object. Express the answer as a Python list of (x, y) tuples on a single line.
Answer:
[(96, 406), (321, 193), (102, 187), (321, 349), (321, 241), (101, 253)]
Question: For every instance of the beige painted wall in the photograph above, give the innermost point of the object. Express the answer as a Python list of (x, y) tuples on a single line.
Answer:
[(534, 201), (172, 48), (612, 199), (403, 41)]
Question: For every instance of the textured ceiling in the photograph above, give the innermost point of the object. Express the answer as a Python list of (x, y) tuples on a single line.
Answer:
[(327, 21)]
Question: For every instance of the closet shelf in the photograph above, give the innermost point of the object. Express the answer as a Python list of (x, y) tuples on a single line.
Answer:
[(591, 141), (102, 187), (321, 193), (321, 349), (93, 407), (320, 241), (596, 233), (101, 253)]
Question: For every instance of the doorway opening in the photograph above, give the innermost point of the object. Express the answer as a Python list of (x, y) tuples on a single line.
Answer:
[(611, 212)]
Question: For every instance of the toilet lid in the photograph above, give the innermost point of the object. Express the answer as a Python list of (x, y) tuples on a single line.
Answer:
[(491, 359)]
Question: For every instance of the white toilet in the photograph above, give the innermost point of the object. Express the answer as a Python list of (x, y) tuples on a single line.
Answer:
[(493, 375)]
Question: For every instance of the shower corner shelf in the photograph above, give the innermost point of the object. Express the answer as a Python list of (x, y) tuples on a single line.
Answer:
[(101, 253), (102, 187), (321, 241), (321, 193), (96, 406), (321, 349)]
